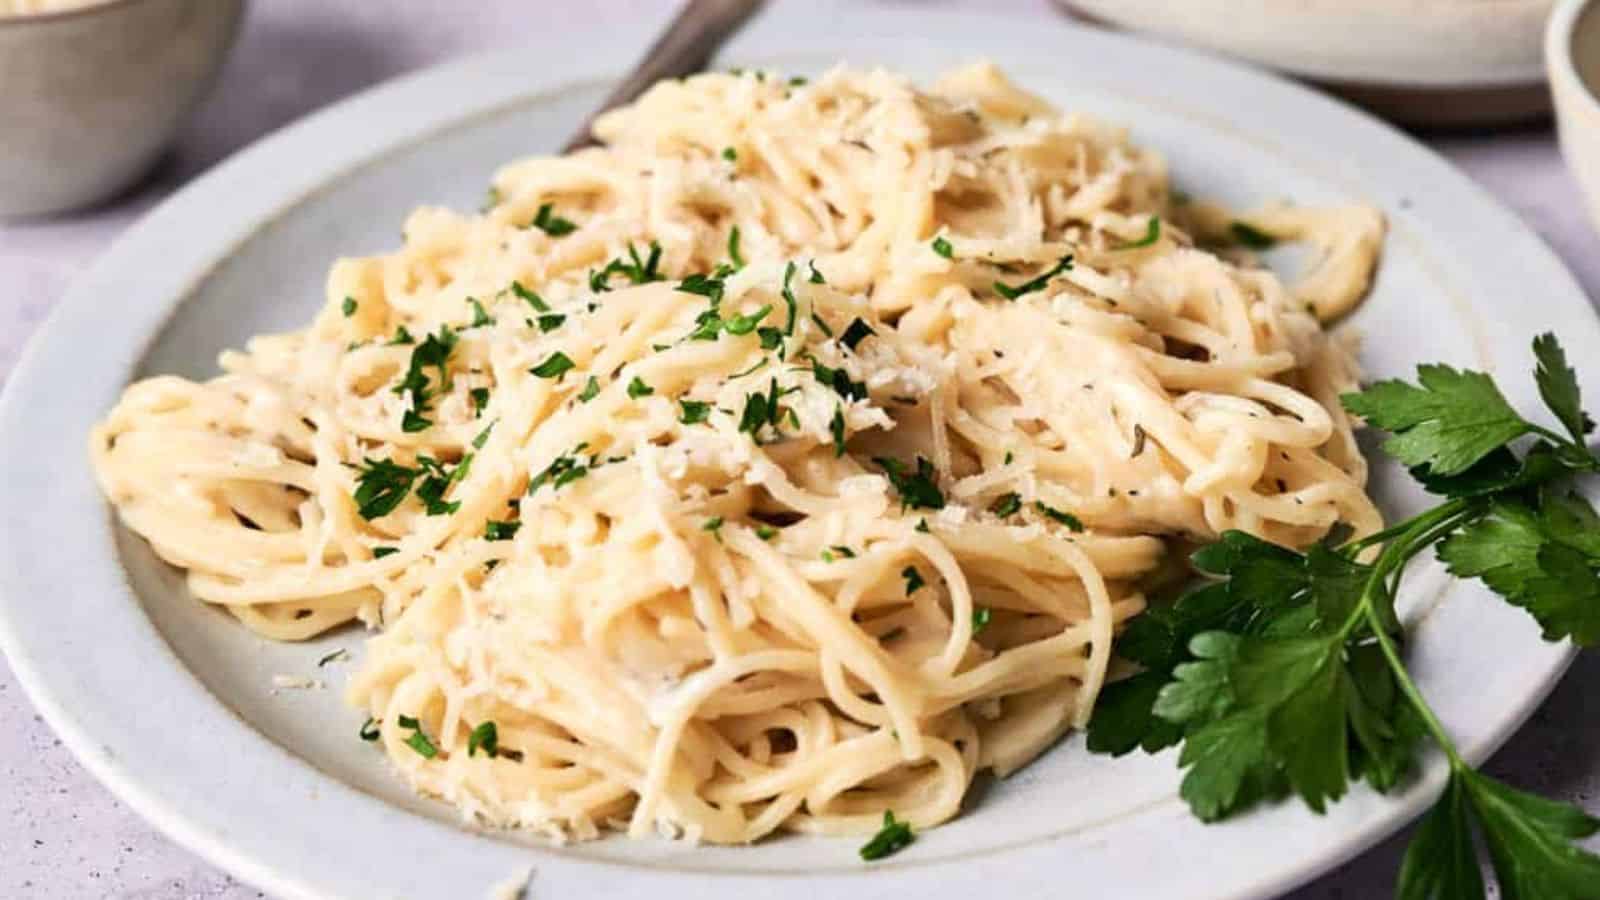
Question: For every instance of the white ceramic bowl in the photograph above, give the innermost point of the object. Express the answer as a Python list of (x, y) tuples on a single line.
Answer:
[(1425, 62), (90, 97), (1572, 54)]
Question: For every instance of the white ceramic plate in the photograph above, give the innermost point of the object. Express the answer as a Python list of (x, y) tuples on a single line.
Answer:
[(171, 704)]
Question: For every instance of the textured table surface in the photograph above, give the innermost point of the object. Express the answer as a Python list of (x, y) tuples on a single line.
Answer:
[(63, 835)]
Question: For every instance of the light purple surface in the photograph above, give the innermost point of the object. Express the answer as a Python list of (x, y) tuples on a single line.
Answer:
[(62, 835)]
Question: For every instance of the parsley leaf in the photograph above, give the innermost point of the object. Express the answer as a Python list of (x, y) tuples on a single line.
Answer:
[(637, 388), (1451, 421), (1028, 287), (913, 579), (529, 297), (546, 221), (1251, 236), (836, 429), (893, 837), (981, 617), (1558, 385), (855, 333), (919, 489), (485, 737), (1541, 556), (381, 486), (495, 530), (1152, 233), (943, 248), (480, 316), (1057, 516), (591, 389), (554, 366), (348, 307), (733, 248), (1008, 505), (693, 412), (418, 740)]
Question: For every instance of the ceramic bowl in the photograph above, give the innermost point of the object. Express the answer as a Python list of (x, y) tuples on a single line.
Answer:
[(90, 97), (1422, 62), (1572, 54)]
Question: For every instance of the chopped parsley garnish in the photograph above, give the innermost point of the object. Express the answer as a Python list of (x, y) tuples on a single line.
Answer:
[(557, 365), (815, 277), (919, 489), (1056, 515), (566, 469), (980, 620), (836, 428), (411, 423), (821, 325), (401, 337), (771, 338), (1251, 236), (531, 298), (763, 409), (480, 316), (693, 412), (745, 324), (943, 248), (637, 270), (369, 730), (713, 525), (1152, 233), (548, 222), (893, 837), (1028, 287), (491, 199), (730, 154), (418, 740), (798, 81), (913, 579), (381, 552), (433, 352), (637, 388), (704, 285), (839, 380), (788, 298), (843, 551), (331, 657), (857, 332), (480, 400), (485, 737), (733, 248), (349, 307), (754, 367), (1007, 505), (922, 526), (591, 390), (483, 436), (551, 321), (497, 530), (381, 486), (766, 532), (437, 481)]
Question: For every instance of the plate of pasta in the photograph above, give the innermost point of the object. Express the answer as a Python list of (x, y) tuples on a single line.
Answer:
[(726, 506)]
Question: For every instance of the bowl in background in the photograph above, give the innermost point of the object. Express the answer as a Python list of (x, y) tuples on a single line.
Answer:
[(90, 97), (1420, 62), (1572, 53)]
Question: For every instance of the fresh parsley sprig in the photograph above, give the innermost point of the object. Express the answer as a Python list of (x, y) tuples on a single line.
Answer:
[(1285, 674)]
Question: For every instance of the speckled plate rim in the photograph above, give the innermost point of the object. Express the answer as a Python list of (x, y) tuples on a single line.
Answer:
[(104, 678)]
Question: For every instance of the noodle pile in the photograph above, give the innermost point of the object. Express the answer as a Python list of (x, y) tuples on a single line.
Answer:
[(790, 458)]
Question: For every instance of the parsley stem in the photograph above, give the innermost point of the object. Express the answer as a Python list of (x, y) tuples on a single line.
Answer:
[(1409, 688)]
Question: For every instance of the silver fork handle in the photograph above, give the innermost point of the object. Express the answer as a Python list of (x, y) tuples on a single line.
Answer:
[(683, 49)]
